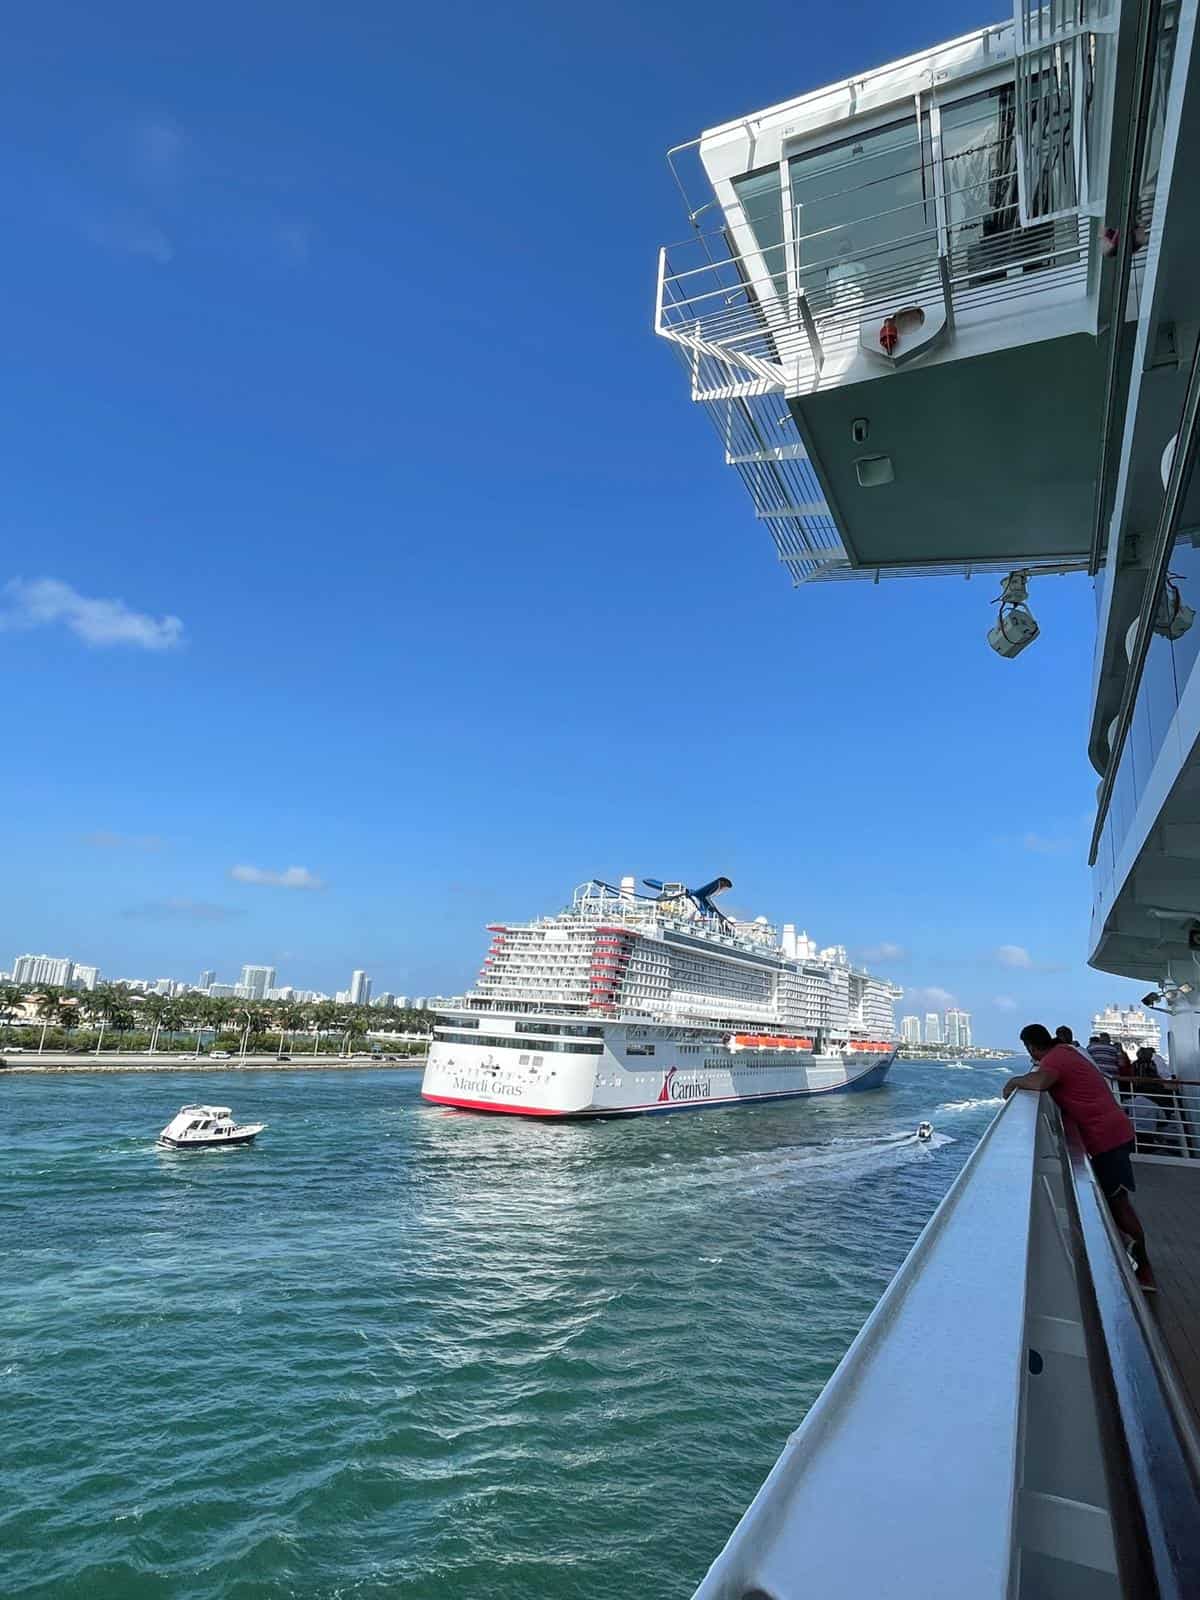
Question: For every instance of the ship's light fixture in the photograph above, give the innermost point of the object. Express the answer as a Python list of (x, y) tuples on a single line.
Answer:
[(1015, 626)]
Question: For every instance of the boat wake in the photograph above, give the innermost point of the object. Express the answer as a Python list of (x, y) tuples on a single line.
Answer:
[(980, 1101)]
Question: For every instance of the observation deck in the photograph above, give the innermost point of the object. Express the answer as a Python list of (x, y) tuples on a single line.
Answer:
[(893, 275)]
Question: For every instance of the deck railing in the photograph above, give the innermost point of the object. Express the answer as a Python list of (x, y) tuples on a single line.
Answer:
[(753, 328), (1008, 1421), (1165, 1113)]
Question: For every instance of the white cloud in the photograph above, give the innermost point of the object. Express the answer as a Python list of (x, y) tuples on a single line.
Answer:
[(934, 999), (289, 878), (1042, 844), (37, 602), (1014, 955), (131, 236), (1004, 1002), (885, 950)]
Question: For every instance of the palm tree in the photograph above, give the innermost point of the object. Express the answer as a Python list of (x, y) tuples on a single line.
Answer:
[(288, 1018), (155, 1009), (49, 1008), (12, 998), (68, 1016), (105, 1004), (187, 1014), (354, 1020), (324, 1014)]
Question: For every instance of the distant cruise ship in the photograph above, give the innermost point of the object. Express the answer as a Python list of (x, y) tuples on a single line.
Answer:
[(627, 1002)]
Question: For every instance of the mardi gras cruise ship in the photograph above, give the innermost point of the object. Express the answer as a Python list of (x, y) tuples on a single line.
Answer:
[(629, 1002)]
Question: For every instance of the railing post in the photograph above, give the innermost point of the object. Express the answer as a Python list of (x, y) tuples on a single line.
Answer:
[(658, 296), (947, 290), (810, 328)]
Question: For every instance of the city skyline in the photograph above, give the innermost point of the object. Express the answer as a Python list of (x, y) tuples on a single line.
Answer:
[(257, 982), (951, 1028)]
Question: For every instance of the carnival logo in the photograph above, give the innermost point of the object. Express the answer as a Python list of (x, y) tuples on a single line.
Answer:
[(676, 1088)]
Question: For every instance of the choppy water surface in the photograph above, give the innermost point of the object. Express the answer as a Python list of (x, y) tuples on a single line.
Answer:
[(399, 1350)]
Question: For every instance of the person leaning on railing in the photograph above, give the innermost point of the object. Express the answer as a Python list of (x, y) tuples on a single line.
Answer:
[(1079, 1089)]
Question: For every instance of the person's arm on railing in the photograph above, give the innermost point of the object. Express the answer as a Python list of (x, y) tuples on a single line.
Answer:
[(1040, 1078)]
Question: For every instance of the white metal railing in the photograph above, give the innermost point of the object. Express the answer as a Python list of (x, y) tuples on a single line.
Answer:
[(1165, 1113), (752, 329), (1055, 102), (1007, 1421)]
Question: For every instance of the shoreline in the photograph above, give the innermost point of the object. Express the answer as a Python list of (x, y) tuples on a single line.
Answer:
[(134, 1063)]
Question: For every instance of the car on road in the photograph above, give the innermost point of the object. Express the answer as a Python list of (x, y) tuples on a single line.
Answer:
[(219, 1055), (16, 1049), (284, 1057)]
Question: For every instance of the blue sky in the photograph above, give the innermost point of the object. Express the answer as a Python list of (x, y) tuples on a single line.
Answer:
[(329, 367)]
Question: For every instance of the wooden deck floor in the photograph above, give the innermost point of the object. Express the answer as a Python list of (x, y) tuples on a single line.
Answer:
[(1168, 1202)]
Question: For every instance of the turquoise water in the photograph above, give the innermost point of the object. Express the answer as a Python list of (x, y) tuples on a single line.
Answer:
[(399, 1350)]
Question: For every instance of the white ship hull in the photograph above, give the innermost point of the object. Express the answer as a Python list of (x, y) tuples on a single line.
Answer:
[(520, 1080)]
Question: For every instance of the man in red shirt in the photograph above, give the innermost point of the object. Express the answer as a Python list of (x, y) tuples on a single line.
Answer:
[(1082, 1094)]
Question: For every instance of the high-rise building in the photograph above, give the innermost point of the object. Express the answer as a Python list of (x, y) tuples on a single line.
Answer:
[(56, 970), (933, 1028), (360, 988), (85, 977), (222, 991), (256, 981), (958, 1028), (910, 1030), (207, 979)]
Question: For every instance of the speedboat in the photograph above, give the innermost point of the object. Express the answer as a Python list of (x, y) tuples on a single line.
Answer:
[(924, 1131), (206, 1128)]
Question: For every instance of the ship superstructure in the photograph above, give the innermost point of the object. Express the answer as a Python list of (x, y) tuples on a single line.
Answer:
[(627, 1001), (943, 317)]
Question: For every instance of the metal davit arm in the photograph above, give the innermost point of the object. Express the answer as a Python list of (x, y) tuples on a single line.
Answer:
[(1004, 1427)]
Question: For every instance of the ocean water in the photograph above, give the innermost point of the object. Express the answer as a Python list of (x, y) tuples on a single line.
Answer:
[(397, 1350)]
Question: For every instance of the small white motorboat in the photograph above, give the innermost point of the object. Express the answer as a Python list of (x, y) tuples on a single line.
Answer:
[(924, 1131), (206, 1128)]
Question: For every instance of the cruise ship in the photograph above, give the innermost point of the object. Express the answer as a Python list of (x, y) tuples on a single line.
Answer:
[(944, 316), (628, 1003)]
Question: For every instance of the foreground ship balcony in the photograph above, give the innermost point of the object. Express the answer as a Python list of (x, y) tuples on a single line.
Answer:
[(1010, 1423), (897, 271)]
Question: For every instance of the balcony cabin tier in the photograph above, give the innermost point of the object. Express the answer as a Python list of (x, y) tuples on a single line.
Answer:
[(895, 324)]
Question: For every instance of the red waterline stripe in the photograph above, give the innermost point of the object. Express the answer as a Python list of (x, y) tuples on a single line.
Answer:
[(496, 1105)]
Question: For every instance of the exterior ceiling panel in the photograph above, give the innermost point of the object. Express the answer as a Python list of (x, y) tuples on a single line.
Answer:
[(994, 458)]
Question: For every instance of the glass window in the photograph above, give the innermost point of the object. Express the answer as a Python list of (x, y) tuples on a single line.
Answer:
[(979, 167), (867, 196), (759, 197), (1185, 571)]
